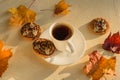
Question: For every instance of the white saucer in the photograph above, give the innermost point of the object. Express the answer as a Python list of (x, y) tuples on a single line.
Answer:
[(61, 58)]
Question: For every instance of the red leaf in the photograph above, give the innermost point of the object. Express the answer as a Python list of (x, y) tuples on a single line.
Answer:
[(112, 43)]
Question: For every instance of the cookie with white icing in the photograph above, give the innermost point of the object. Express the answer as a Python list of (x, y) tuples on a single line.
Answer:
[(99, 26)]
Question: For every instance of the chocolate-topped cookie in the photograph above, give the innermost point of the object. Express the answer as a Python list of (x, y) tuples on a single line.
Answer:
[(43, 47), (30, 31), (99, 26)]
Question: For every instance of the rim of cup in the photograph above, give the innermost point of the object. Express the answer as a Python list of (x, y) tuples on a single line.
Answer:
[(60, 23)]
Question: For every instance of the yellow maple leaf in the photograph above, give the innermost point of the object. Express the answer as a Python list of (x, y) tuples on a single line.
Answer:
[(61, 8), (98, 65), (21, 15), (4, 57), (104, 64)]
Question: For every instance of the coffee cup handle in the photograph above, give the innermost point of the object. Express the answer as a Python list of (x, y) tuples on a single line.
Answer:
[(70, 48)]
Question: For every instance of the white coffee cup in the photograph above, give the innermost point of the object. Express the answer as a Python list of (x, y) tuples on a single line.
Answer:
[(61, 33)]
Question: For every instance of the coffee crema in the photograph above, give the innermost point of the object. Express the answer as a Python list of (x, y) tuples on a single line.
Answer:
[(62, 32)]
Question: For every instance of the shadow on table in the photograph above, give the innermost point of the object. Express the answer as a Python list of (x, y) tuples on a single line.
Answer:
[(12, 37), (76, 70), (86, 33), (4, 22), (99, 48), (45, 17), (9, 34), (26, 66)]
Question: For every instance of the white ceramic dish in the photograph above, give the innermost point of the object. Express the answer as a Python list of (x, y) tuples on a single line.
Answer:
[(64, 58)]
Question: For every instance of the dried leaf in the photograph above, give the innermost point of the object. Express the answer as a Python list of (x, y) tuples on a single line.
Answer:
[(4, 57), (21, 15), (112, 43), (99, 65), (61, 8)]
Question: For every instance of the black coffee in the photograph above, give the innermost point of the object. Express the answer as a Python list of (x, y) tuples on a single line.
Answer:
[(62, 32)]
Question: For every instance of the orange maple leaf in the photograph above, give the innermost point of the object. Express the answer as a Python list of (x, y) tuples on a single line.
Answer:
[(21, 15), (61, 8), (99, 65), (104, 64), (4, 57)]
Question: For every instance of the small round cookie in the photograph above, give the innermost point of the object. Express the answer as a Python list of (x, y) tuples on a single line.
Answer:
[(43, 47), (99, 26), (30, 31)]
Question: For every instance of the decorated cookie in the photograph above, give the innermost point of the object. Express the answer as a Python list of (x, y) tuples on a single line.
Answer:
[(43, 47), (30, 31), (99, 26)]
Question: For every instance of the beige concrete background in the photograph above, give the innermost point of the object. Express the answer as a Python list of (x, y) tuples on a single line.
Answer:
[(24, 65)]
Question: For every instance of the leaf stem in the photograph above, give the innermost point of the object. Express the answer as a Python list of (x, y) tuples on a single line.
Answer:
[(31, 3), (45, 9)]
